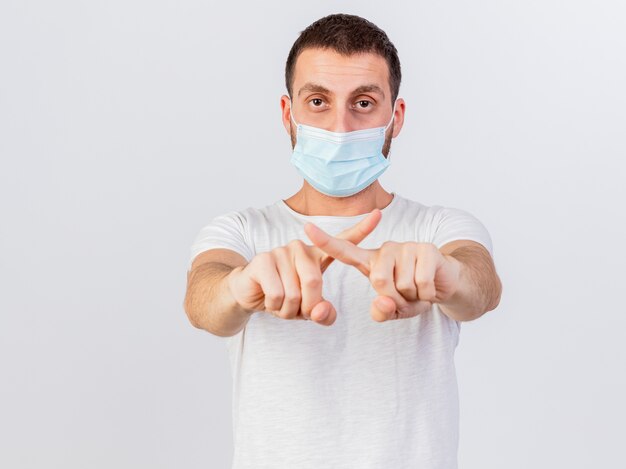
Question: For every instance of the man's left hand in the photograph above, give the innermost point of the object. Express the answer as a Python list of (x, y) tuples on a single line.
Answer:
[(408, 276)]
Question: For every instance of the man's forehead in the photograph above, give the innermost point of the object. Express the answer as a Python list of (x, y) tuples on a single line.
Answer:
[(326, 70)]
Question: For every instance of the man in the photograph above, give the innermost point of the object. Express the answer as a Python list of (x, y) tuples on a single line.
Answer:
[(342, 304)]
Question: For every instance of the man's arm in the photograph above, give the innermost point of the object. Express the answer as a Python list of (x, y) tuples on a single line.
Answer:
[(209, 303), (480, 287)]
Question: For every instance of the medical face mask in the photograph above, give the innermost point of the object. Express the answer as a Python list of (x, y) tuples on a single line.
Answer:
[(340, 164)]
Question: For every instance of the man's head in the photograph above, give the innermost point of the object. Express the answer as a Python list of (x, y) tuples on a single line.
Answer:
[(346, 35), (343, 74)]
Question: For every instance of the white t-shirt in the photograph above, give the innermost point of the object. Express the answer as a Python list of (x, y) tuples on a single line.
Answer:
[(356, 394)]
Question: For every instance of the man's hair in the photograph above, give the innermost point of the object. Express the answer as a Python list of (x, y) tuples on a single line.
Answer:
[(347, 35)]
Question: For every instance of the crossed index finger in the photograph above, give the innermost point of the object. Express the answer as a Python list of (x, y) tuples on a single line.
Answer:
[(340, 249), (354, 234)]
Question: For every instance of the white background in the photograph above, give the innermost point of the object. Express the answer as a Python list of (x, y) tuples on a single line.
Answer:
[(125, 126)]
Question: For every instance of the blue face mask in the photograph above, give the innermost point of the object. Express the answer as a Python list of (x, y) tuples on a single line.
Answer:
[(340, 164)]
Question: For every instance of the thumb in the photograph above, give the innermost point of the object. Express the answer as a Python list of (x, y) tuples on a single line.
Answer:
[(324, 313), (383, 308)]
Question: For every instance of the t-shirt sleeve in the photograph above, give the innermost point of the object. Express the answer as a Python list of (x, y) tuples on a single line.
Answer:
[(228, 231), (454, 223)]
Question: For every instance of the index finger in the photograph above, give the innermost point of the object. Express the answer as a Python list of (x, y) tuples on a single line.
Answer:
[(355, 234), (340, 249)]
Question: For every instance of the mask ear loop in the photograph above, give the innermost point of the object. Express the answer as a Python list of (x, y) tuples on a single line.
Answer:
[(393, 114), (291, 114)]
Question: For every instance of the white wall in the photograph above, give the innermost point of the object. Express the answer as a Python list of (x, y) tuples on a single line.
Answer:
[(126, 125)]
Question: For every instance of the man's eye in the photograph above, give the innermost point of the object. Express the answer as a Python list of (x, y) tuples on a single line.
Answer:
[(317, 102), (364, 104)]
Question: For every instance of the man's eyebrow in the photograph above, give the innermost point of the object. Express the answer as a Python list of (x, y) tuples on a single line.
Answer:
[(315, 88), (369, 89)]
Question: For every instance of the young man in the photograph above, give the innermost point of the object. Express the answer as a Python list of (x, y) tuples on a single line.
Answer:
[(380, 283)]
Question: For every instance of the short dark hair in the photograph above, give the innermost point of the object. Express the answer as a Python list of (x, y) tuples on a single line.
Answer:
[(346, 34)]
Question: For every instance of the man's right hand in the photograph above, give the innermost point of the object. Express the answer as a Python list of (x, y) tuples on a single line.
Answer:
[(287, 281)]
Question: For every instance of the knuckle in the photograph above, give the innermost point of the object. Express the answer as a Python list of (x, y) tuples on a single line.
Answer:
[(280, 251), (425, 288), (426, 247), (311, 281), (405, 286), (388, 244), (288, 313), (409, 248), (273, 298), (296, 244), (293, 298), (378, 280), (285, 314), (423, 282), (263, 257)]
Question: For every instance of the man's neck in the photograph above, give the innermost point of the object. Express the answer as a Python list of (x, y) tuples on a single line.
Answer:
[(308, 201)]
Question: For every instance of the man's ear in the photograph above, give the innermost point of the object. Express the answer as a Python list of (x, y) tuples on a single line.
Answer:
[(285, 109), (398, 121)]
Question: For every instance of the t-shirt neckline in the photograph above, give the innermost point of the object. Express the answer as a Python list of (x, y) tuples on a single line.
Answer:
[(383, 210)]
